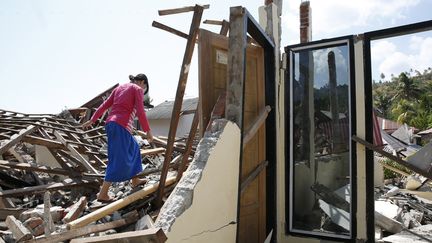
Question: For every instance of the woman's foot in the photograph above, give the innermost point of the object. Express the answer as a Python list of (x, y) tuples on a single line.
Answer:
[(104, 198), (138, 181)]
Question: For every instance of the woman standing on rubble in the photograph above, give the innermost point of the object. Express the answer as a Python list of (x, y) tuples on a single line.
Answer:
[(124, 157)]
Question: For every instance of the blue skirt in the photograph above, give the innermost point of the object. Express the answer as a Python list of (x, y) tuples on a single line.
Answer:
[(124, 156)]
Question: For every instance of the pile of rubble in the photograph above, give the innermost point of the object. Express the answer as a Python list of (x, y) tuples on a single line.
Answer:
[(51, 171), (404, 215)]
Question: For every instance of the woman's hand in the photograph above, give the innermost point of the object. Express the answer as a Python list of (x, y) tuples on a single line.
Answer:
[(87, 124), (149, 137)]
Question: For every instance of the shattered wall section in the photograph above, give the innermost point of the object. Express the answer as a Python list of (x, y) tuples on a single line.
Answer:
[(203, 206)]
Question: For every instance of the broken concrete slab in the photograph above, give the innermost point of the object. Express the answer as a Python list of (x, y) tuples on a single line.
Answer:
[(421, 234), (211, 171)]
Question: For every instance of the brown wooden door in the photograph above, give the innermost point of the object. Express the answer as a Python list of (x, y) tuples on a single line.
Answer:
[(212, 51)]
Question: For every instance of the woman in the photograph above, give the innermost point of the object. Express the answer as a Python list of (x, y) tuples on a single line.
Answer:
[(124, 157)]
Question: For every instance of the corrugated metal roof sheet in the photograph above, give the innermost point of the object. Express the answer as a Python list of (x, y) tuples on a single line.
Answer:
[(164, 110)]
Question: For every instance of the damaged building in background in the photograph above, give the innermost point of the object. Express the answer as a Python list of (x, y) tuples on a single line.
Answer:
[(275, 151)]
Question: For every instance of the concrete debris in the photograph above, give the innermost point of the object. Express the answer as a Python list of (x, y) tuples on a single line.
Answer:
[(403, 215)]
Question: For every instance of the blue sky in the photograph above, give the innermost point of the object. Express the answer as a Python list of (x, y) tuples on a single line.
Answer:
[(61, 53)]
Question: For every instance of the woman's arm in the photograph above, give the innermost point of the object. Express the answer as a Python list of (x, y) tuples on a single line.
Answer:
[(103, 107), (140, 112)]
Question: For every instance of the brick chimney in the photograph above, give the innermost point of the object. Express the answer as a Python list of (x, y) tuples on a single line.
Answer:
[(305, 22)]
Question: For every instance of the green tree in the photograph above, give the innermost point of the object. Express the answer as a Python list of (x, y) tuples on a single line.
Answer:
[(407, 88)]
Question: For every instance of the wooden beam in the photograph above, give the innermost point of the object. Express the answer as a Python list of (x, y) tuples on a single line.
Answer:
[(213, 22), (392, 157), (75, 153), (236, 66), (169, 29), (251, 177), (28, 167), (19, 231), (217, 112), (155, 235), (5, 147), (181, 10), (114, 206), (75, 210), (48, 187), (225, 28), (43, 142), (189, 144), (256, 124), (75, 233), (181, 87)]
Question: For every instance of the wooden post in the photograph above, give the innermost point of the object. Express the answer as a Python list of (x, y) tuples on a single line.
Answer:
[(48, 221), (190, 45), (236, 66)]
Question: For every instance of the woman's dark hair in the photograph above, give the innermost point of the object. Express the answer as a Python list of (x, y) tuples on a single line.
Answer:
[(140, 77)]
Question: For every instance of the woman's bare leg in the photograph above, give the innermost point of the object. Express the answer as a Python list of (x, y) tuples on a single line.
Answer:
[(103, 193)]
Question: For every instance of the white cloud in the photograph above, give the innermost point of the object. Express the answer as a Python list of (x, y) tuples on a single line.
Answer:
[(418, 58), (380, 49), (332, 18)]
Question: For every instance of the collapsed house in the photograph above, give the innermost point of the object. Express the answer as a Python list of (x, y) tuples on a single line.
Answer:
[(284, 152)]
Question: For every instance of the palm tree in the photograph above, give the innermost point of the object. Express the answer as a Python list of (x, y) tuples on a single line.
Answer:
[(405, 111), (406, 88)]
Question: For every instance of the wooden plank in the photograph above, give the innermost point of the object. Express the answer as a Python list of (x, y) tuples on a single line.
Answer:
[(76, 210), (181, 87), (153, 151), (189, 143), (19, 231), (392, 157), (114, 206), (169, 29), (236, 66), (257, 123), (181, 10), (5, 147), (76, 154), (16, 212), (48, 187), (75, 233), (251, 177), (155, 235)]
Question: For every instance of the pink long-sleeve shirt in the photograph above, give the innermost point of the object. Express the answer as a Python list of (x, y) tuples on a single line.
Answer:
[(125, 101)]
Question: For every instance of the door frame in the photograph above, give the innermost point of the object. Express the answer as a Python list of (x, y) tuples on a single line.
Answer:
[(241, 24)]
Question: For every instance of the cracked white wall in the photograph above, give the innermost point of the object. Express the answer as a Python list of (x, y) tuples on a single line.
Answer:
[(203, 206)]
